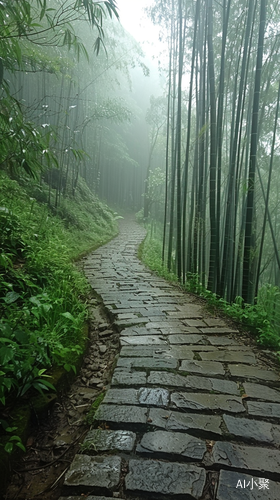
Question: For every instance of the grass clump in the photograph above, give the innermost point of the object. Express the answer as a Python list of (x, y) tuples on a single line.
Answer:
[(93, 409), (149, 252)]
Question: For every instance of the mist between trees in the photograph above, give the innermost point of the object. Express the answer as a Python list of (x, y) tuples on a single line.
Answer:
[(219, 217), (75, 103), (67, 104)]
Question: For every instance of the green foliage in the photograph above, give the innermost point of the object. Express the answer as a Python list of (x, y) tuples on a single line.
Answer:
[(23, 146), (40, 23), (268, 301), (95, 405), (150, 253), (42, 295), (13, 440), (29, 29), (262, 318)]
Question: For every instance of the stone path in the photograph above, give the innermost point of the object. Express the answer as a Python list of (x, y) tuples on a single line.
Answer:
[(190, 413)]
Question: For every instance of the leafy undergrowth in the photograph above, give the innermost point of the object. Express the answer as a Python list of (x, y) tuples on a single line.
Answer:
[(150, 253), (42, 295), (262, 318), (93, 409)]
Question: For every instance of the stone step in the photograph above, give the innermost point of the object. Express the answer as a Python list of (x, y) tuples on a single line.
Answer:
[(142, 418), (193, 382), (165, 478), (233, 485), (207, 402), (242, 371), (101, 473), (253, 430), (173, 444), (249, 458), (107, 440)]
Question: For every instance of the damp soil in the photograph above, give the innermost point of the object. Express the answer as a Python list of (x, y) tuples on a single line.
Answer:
[(39, 473)]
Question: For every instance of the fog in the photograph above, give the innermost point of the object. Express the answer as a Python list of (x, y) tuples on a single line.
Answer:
[(167, 112), (154, 115)]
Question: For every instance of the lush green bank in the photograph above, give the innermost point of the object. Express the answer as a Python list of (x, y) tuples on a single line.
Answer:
[(42, 294), (262, 318)]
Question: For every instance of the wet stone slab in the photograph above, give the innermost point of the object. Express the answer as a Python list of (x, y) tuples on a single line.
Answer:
[(169, 379), (135, 331), (126, 315), (124, 378), (259, 409), (215, 322), (159, 325), (257, 391), (128, 322), (178, 330), (193, 382), (190, 311), (207, 402), (178, 421), (243, 348), (218, 330), (172, 443), (185, 330), (165, 305), (146, 351), (143, 340), (151, 312), (182, 351), (101, 440), (183, 315), (121, 396), (252, 458), (156, 318), (96, 472), (163, 351), (186, 339), (165, 300), (149, 363), (228, 356), (118, 414), (153, 397), (210, 368), (123, 310), (253, 430), (195, 322), (125, 363), (245, 371), (153, 476), (223, 341), (236, 486)]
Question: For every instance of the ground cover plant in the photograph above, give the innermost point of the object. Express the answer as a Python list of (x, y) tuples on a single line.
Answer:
[(262, 317), (43, 304)]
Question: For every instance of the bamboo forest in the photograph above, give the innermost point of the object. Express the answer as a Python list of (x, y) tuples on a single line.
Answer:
[(104, 119)]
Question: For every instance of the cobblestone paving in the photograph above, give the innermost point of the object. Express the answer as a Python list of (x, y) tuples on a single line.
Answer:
[(191, 413)]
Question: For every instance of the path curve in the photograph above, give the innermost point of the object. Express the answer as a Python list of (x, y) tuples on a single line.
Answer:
[(190, 413)]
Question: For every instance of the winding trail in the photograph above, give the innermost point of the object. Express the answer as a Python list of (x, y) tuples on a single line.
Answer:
[(191, 412)]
